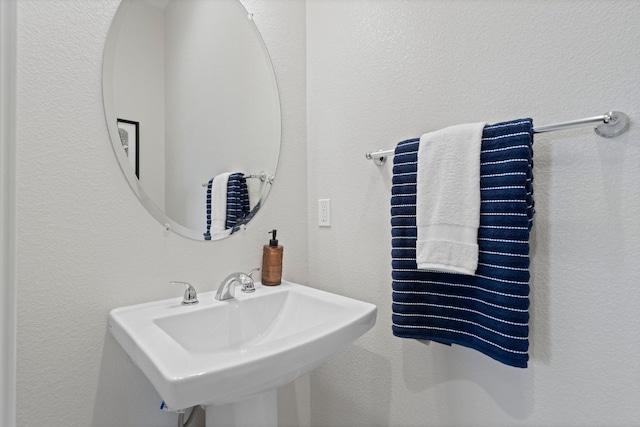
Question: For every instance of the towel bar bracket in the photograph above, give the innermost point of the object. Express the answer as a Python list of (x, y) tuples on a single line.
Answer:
[(617, 124), (379, 157)]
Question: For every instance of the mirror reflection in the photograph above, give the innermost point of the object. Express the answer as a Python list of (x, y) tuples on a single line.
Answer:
[(193, 112)]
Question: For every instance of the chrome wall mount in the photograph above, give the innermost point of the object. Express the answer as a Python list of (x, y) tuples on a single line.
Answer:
[(610, 125), (379, 157)]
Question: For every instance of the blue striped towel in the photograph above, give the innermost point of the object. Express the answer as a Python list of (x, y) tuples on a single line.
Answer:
[(488, 311), (237, 200), (207, 234), (238, 207)]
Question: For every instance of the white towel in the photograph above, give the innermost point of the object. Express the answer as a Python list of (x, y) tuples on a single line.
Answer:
[(448, 199), (219, 203)]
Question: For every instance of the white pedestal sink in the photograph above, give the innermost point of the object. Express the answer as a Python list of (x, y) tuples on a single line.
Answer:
[(231, 356)]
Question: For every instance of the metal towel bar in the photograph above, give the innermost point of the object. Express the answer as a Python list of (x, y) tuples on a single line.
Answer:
[(610, 125)]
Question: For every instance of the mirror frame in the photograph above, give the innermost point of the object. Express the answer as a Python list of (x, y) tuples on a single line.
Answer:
[(114, 135)]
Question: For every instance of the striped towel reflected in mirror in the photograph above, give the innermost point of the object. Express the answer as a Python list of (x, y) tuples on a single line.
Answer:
[(227, 204), (237, 199)]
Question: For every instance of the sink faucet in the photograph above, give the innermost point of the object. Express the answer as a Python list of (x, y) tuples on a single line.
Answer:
[(227, 288)]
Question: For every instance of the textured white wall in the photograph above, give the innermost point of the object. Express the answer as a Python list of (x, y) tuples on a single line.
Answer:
[(7, 212), (382, 71), (85, 243)]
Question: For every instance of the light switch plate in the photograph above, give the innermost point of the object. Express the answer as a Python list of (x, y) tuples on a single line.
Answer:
[(324, 212)]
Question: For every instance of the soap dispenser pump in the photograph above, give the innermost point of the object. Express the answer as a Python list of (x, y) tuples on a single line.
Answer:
[(272, 261)]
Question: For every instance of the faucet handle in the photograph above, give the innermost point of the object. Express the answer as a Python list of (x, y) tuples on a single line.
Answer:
[(190, 294), (247, 281)]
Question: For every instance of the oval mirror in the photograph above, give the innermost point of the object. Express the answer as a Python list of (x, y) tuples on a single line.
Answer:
[(193, 112)]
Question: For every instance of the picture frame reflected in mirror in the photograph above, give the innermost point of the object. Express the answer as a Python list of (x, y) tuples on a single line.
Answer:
[(129, 131)]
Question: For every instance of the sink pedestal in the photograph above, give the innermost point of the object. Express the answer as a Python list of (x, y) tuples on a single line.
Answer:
[(260, 410)]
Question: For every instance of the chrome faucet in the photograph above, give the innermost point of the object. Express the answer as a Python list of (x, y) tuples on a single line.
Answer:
[(227, 288)]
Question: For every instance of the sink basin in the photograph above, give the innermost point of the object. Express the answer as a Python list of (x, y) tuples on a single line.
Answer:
[(221, 352)]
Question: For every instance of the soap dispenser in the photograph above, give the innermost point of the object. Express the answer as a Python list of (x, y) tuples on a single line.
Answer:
[(272, 262)]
